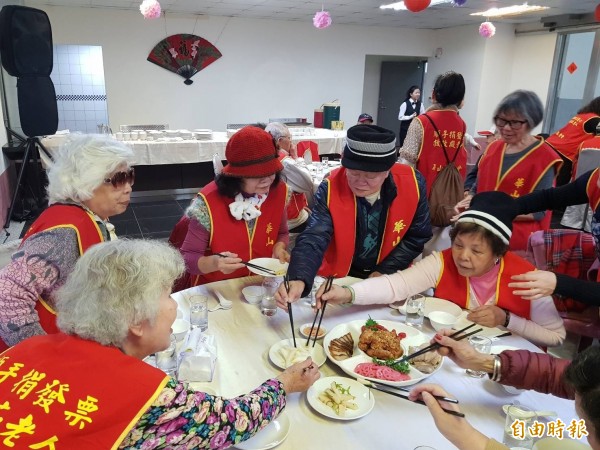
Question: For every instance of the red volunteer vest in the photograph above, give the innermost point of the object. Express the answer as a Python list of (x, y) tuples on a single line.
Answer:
[(566, 140), (229, 234), (88, 234), (593, 143), (456, 288), (342, 207), (431, 157), (70, 393), (593, 194), (520, 179), (296, 204)]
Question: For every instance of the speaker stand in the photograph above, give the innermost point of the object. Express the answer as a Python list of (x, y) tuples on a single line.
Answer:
[(31, 147)]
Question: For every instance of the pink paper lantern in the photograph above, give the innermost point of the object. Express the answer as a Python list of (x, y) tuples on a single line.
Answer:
[(322, 19), (150, 9), (487, 29), (416, 5)]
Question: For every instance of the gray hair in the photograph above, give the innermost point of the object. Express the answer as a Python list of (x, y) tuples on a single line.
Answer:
[(523, 103), (115, 285), (82, 164), (277, 130)]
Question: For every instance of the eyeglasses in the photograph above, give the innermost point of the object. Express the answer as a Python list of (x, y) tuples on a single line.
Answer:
[(286, 137), (514, 124), (120, 178)]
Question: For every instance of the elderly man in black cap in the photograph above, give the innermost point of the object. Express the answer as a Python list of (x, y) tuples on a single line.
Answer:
[(370, 216)]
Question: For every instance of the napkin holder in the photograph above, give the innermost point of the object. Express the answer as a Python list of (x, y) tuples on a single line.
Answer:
[(198, 357)]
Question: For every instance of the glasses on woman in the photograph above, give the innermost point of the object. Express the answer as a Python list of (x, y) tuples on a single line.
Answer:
[(514, 124), (120, 178)]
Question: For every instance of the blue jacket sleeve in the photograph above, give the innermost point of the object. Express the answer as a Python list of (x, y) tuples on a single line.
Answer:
[(312, 243), (415, 238)]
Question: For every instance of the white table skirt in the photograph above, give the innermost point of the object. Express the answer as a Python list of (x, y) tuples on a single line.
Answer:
[(244, 337), (149, 153)]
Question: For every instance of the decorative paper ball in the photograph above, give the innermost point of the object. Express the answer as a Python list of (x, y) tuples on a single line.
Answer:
[(416, 5), (460, 2), (597, 13), (487, 29), (322, 19), (150, 9)]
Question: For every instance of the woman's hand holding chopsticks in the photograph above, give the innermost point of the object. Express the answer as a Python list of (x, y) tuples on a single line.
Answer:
[(456, 429), (336, 295), (284, 297), (462, 353)]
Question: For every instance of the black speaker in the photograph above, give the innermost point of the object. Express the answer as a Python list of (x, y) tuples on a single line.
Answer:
[(26, 46), (26, 41)]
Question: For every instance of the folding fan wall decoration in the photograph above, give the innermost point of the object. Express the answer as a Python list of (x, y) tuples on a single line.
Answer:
[(184, 54)]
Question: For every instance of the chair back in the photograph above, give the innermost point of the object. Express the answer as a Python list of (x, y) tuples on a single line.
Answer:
[(303, 146)]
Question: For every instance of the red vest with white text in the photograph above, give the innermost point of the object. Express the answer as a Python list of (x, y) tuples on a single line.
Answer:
[(522, 178), (342, 207), (566, 140), (431, 157), (454, 287), (71, 393), (88, 234), (229, 234)]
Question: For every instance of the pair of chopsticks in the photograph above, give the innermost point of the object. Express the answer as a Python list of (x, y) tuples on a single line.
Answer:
[(379, 387), (328, 284), (286, 284), (254, 266), (435, 345)]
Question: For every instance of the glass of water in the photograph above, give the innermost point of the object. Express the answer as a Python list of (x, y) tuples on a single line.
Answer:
[(199, 312), (268, 305), (482, 345), (519, 419), (325, 162), (415, 310)]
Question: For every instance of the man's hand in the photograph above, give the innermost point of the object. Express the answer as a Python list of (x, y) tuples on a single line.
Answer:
[(283, 297)]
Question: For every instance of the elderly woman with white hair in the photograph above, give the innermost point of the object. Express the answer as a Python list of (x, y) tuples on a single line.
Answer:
[(114, 310), (89, 182)]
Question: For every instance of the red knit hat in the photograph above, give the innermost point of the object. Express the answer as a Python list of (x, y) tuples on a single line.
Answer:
[(251, 153)]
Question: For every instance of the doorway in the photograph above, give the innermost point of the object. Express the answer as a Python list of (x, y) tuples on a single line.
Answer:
[(396, 78)]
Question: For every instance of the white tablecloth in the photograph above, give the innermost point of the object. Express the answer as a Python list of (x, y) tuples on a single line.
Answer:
[(193, 151), (244, 337)]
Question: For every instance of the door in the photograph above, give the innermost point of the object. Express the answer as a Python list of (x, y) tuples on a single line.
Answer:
[(396, 78)]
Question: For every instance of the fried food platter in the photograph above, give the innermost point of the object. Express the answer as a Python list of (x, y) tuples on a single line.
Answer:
[(413, 338)]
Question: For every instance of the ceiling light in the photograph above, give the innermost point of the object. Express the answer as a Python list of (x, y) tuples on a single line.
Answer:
[(511, 10), (399, 6)]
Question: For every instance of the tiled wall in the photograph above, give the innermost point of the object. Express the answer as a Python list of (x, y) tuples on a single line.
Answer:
[(78, 77)]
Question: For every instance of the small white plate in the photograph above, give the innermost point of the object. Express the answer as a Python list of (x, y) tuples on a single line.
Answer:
[(305, 329), (316, 353), (364, 399), (553, 443), (433, 304), (268, 263), (270, 436)]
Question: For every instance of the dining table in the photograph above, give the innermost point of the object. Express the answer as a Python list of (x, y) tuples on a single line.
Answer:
[(244, 337)]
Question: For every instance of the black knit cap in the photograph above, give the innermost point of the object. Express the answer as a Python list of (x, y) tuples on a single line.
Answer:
[(494, 211), (369, 148)]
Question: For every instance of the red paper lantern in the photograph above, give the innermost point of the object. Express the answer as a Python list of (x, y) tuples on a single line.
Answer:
[(416, 5), (597, 13)]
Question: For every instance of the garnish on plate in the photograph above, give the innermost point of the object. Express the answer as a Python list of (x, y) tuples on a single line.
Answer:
[(402, 367)]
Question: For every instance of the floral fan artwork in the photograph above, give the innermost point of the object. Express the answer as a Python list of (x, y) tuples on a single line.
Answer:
[(184, 54)]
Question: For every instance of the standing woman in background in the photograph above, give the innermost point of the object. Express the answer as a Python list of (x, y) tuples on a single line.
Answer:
[(410, 108)]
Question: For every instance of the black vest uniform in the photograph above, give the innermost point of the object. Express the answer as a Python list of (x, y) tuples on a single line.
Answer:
[(404, 124)]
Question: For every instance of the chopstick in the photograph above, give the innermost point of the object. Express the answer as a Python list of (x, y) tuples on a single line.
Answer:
[(254, 266), (286, 284), (435, 345), (328, 284), (420, 402), (437, 397)]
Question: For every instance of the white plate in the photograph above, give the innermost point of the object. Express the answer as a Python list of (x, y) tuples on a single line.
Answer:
[(413, 338), (307, 326), (433, 304), (553, 443), (364, 399), (268, 263), (317, 353), (270, 436)]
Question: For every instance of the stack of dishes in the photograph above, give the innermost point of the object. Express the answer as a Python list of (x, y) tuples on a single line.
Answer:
[(202, 134), (172, 133), (185, 134)]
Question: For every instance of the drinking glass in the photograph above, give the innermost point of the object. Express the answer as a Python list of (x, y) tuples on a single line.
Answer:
[(199, 311), (268, 305), (312, 297), (415, 310), (519, 419), (325, 161), (482, 345), (166, 360)]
